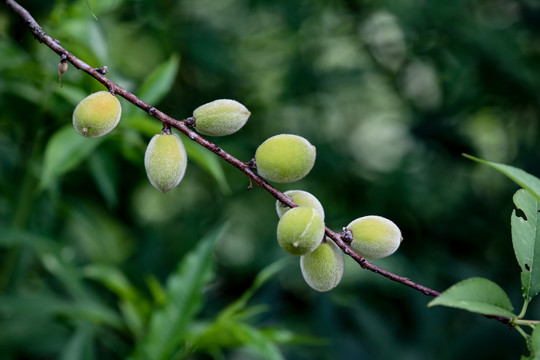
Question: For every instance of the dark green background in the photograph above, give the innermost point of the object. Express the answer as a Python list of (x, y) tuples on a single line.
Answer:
[(391, 93)]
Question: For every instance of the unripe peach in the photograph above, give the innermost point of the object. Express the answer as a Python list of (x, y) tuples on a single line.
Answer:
[(97, 114), (285, 158), (300, 230), (220, 117), (323, 267), (165, 161), (300, 198), (374, 237)]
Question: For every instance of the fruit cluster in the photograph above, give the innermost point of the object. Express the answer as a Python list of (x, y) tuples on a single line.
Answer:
[(282, 158), (301, 231)]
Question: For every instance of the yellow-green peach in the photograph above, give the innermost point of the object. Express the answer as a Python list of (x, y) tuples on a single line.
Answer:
[(374, 237), (165, 161), (300, 230), (300, 198), (220, 117), (97, 114), (285, 158), (323, 267)]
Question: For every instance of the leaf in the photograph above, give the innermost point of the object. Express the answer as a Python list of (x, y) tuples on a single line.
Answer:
[(526, 241), (535, 344), (112, 278), (65, 150), (477, 295), (266, 274), (93, 312), (133, 305), (208, 162), (80, 346), (256, 340), (160, 81), (104, 172), (184, 297), (524, 179)]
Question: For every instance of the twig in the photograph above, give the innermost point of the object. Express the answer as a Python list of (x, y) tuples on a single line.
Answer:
[(183, 126)]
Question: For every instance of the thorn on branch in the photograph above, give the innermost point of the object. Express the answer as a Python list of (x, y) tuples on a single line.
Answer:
[(250, 186)]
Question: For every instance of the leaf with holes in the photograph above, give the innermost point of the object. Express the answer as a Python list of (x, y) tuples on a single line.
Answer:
[(477, 295), (526, 240)]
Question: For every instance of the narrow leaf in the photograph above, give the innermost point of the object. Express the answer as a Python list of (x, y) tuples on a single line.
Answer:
[(208, 162), (184, 296), (80, 345), (104, 172), (256, 340), (524, 179), (65, 150), (266, 274), (477, 295), (526, 241), (160, 81)]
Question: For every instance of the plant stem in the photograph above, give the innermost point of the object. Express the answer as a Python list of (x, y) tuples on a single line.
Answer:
[(524, 308)]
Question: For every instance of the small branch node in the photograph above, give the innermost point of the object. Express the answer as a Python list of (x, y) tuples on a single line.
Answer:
[(252, 164), (190, 121), (102, 69), (347, 236), (151, 110), (166, 130)]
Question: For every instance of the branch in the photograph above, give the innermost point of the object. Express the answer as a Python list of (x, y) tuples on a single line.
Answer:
[(183, 126)]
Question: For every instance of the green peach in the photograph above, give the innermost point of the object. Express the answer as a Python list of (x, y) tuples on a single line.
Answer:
[(165, 161), (323, 267), (300, 198), (300, 230), (220, 117), (374, 237), (97, 114), (285, 158)]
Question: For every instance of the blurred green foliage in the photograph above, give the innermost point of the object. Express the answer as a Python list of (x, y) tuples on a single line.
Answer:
[(390, 92)]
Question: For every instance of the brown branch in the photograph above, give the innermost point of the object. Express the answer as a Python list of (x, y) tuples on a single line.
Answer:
[(183, 126)]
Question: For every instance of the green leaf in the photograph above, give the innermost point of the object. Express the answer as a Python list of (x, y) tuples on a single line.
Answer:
[(524, 179), (256, 340), (133, 305), (104, 172), (160, 81), (65, 150), (80, 346), (112, 278), (535, 344), (526, 240), (266, 274), (208, 162), (159, 294), (92, 312), (477, 295), (184, 297)]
